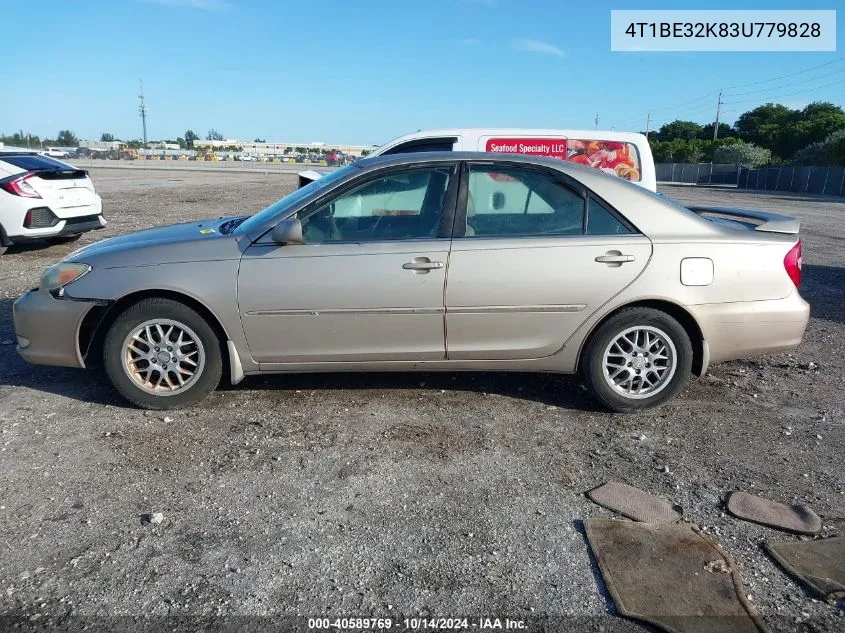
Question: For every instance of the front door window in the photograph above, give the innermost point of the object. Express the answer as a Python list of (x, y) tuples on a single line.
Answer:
[(403, 205)]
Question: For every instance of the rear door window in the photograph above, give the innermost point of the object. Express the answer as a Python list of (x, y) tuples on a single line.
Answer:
[(510, 202)]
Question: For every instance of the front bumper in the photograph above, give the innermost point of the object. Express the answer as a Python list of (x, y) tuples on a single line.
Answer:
[(48, 328), (748, 328)]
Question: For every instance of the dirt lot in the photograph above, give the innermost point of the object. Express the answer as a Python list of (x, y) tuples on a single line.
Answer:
[(392, 495)]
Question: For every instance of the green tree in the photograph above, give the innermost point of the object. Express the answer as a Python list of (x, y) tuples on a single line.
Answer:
[(725, 131), (214, 135), (365, 152), (811, 125), (830, 151), (66, 138), (765, 125), (105, 137), (679, 129), (259, 140), (742, 153), (190, 137)]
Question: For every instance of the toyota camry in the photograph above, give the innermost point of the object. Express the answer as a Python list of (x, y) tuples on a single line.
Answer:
[(429, 262)]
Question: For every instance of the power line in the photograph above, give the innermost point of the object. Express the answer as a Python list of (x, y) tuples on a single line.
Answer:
[(788, 85), (635, 118), (788, 94), (798, 72), (638, 117)]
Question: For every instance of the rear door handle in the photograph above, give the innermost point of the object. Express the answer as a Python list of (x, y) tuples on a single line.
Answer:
[(614, 257), (422, 264)]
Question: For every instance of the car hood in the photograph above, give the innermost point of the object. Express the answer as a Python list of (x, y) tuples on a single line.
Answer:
[(189, 241)]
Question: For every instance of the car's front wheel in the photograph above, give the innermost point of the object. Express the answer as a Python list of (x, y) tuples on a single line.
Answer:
[(637, 359), (161, 354)]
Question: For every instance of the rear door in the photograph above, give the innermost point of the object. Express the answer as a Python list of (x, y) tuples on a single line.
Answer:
[(533, 256)]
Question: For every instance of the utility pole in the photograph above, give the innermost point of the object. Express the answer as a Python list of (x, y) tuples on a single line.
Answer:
[(143, 110), (718, 112), (647, 124), (597, 120)]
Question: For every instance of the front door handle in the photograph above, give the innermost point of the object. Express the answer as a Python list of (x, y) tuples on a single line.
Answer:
[(614, 257), (421, 265)]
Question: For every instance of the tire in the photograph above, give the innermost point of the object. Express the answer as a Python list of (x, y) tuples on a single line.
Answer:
[(199, 364), (616, 371), (64, 239)]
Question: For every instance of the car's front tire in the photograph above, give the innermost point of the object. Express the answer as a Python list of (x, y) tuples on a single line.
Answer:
[(638, 359), (161, 354)]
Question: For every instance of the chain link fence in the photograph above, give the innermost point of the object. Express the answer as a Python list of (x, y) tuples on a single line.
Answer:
[(698, 173), (812, 179), (795, 178)]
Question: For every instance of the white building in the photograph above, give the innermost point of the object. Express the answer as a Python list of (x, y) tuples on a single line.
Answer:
[(280, 149)]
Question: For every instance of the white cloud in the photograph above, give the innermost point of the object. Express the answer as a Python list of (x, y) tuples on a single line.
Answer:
[(536, 46), (201, 5)]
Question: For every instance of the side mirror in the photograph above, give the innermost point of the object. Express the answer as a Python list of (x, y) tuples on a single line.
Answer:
[(287, 232)]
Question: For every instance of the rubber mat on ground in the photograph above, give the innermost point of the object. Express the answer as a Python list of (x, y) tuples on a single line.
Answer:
[(798, 518), (819, 564), (634, 503), (671, 576)]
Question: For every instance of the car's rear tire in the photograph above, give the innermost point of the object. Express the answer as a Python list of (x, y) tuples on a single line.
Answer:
[(161, 354), (638, 359), (65, 239)]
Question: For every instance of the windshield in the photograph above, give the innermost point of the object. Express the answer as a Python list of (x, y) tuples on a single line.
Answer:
[(290, 200)]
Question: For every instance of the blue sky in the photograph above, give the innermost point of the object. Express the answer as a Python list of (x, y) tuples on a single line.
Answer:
[(366, 71)]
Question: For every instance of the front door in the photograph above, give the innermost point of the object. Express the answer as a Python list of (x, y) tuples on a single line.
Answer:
[(367, 284), (537, 258)]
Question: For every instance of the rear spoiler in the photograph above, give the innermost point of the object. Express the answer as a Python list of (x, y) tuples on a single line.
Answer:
[(759, 220), (307, 177)]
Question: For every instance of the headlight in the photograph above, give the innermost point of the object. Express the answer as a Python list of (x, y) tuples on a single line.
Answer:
[(60, 275)]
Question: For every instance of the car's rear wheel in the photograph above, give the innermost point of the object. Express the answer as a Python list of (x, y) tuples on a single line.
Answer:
[(161, 354), (638, 359)]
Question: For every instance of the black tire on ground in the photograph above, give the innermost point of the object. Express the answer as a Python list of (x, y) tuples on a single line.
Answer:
[(592, 359), (160, 308), (65, 239)]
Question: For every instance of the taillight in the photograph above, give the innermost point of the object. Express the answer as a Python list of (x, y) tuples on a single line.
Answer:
[(18, 186), (792, 263)]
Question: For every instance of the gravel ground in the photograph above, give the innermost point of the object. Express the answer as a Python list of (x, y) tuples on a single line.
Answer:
[(392, 495)]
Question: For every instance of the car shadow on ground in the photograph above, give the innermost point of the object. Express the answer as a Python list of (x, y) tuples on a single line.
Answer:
[(92, 386), (557, 390), (823, 287)]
